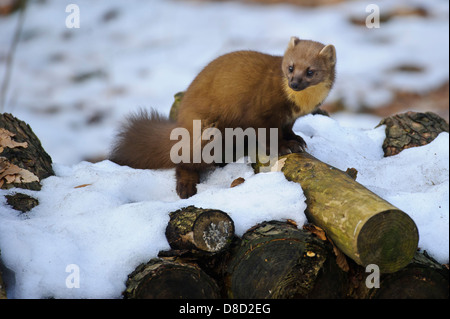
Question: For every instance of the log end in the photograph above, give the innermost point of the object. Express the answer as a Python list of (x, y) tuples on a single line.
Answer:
[(389, 240), (207, 230), (163, 279), (213, 231)]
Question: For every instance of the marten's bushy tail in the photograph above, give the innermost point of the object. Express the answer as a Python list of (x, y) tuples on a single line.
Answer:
[(144, 142)]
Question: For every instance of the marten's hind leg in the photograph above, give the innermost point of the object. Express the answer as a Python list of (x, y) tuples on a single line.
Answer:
[(187, 180)]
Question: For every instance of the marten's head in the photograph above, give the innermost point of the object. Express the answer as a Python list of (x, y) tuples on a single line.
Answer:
[(307, 63)]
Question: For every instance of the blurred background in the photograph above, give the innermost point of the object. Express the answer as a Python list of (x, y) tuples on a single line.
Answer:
[(74, 85)]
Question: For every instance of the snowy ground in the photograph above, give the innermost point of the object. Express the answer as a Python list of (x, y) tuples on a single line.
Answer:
[(73, 86)]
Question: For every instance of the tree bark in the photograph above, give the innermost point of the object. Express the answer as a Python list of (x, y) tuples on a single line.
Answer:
[(411, 129), (21, 153), (362, 225), (277, 260), (163, 279), (207, 230)]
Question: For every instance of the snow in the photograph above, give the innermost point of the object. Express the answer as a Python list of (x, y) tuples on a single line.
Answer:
[(107, 219), (115, 219)]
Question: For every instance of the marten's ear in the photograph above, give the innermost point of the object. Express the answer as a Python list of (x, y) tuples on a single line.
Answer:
[(329, 52), (293, 42)]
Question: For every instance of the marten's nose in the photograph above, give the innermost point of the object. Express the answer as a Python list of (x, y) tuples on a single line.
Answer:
[(294, 85)]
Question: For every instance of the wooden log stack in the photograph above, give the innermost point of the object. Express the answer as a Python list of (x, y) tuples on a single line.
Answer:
[(351, 229)]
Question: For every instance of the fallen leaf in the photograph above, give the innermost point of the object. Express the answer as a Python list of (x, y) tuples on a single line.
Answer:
[(237, 181), (11, 173), (319, 232), (291, 222), (6, 140), (341, 259), (82, 185)]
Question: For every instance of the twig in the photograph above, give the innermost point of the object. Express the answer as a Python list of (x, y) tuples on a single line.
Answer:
[(10, 56)]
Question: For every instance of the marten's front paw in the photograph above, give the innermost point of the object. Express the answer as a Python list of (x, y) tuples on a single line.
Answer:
[(291, 146)]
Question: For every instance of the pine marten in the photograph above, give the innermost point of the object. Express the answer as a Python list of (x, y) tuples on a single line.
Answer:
[(243, 89)]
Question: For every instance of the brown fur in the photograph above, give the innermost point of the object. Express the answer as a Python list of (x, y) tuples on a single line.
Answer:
[(144, 142), (240, 89)]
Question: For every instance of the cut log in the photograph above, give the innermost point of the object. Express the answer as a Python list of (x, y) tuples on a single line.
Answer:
[(277, 260), (23, 161), (411, 129), (207, 230), (163, 279), (423, 278), (365, 227)]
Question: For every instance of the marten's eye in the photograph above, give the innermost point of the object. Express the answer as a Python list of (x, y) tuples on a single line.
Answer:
[(309, 73), (291, 68)]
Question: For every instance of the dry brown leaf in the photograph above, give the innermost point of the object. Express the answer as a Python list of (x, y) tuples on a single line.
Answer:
[(341, 260), (237, 181), (82, 185), (319, 232), (6, 140), (291, 222), (11, 173)]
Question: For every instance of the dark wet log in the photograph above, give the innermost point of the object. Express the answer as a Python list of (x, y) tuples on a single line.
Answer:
[(23, 161), (207, 230), (423, 278), (163, 279), (277, 260)]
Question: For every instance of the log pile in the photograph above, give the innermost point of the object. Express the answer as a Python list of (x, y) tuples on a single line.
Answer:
[(355, 246)]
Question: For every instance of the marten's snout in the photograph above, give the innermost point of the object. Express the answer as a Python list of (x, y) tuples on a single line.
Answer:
[(294, 85), (297, 84)]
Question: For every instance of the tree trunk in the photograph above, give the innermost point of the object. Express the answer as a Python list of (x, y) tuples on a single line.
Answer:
[(277, 260), (23, 161), (163, 279), (207, 230), (423, 278), (364, 226)]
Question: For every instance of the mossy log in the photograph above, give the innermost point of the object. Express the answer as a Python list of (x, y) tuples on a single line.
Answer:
[(361, 224), (277, 260), (164, 279), (207, 230), (422, 278)]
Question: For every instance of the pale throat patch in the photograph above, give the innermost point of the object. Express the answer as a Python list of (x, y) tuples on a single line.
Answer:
[(307, 99)]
